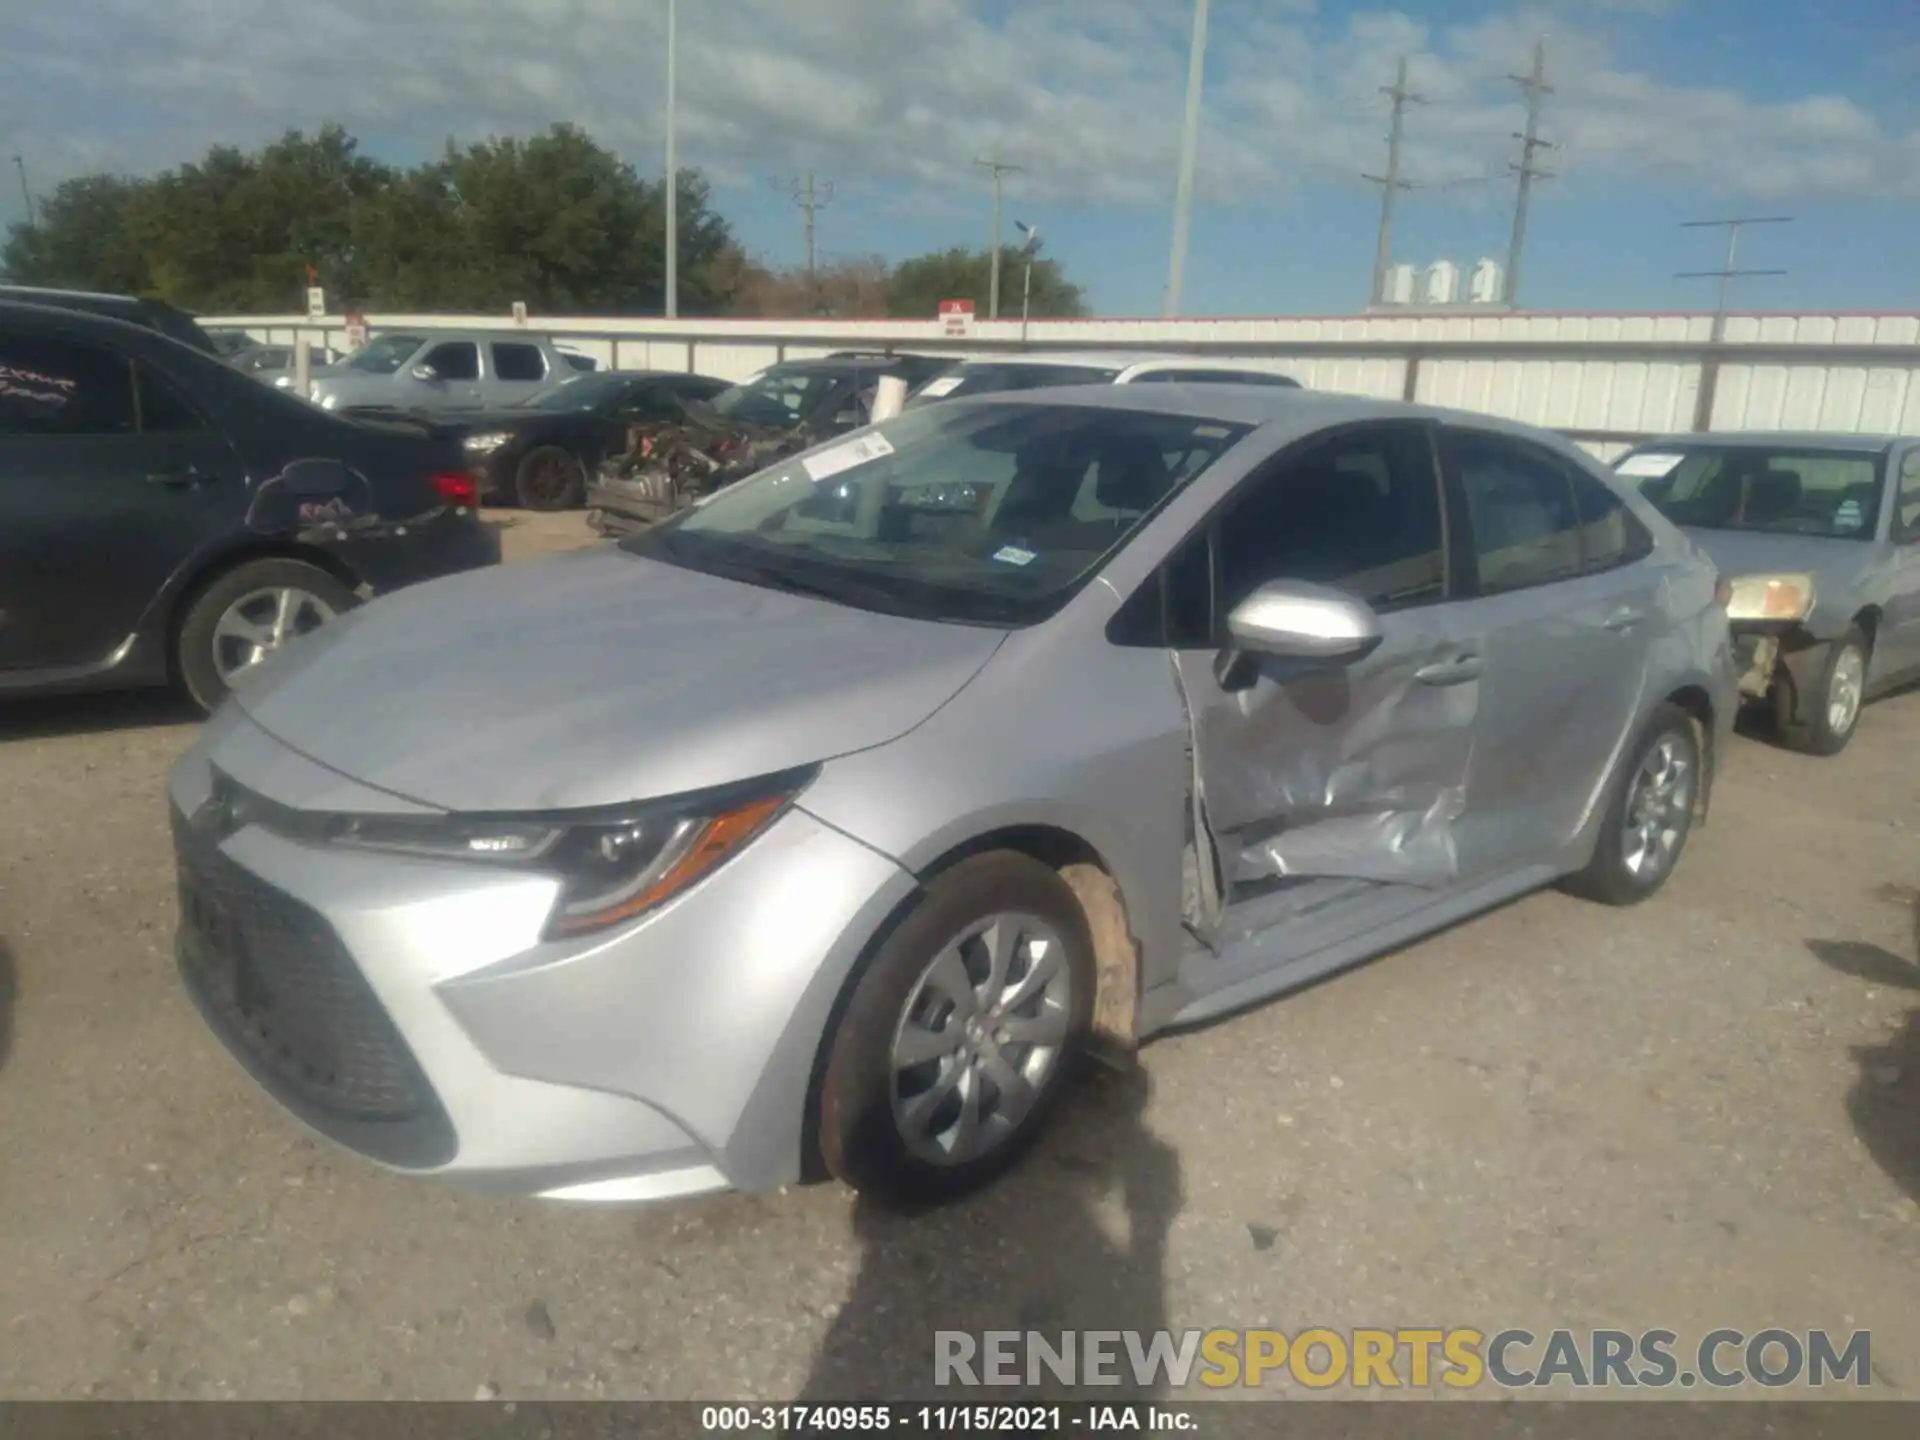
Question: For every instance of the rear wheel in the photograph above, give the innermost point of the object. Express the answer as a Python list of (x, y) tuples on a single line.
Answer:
[(550, 478), (1650, 816), (960, 1035), (1832, 711), (253, 611)]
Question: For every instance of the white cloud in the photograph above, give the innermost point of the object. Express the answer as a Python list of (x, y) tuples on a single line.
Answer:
[(1086, 94)]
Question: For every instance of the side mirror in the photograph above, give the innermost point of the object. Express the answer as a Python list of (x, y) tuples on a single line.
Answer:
[(425, 372), (1294, 620)]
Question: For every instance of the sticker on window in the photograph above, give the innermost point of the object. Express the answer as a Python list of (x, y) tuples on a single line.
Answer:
[(1650, 466), (858, 451), (945, 385), (1014, 555), (1210, 432), (1848, 516)]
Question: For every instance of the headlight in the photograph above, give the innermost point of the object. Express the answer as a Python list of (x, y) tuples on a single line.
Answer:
[(327, 402), (491, 440), (611, 867), (1770, 597)]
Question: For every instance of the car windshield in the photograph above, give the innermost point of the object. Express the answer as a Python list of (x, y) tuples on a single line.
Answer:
[(988, 378), (583, 392), (384, 355), (777, 398), (1778, 491), (989, 513)]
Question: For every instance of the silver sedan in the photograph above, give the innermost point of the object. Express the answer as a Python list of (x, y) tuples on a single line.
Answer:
[(829, 824)]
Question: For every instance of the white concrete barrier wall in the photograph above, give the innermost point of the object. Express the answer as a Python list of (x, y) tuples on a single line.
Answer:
[(1603, 378)]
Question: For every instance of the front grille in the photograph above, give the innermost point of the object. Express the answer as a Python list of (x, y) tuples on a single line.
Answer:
[(273, 978)]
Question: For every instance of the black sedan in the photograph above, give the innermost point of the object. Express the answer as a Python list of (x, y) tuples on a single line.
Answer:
[(540, 453), (166, 519)]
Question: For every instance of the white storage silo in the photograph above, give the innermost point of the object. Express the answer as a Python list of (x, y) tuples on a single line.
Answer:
[(1443, 282), (1400, 284), (1487, 285)]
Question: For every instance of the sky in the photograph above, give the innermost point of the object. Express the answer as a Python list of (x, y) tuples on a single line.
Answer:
[(1662, 111)]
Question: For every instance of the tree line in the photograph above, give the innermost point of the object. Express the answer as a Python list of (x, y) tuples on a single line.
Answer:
[(555, 220)]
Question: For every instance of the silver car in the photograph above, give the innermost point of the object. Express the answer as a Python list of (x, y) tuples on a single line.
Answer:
[(826, 825), (443, 370), (1819, 536)]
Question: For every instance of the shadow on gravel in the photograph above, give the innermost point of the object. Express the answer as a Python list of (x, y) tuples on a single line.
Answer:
[(93, 713), (1884, 1103), (1075, 1238), (9, 994)]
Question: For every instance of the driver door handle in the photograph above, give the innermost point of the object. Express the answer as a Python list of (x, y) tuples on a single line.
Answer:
[(179, 478), (1454, 670)]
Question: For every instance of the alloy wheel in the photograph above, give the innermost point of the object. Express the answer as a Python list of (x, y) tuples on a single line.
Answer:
[(1659, 808), (261, 623)]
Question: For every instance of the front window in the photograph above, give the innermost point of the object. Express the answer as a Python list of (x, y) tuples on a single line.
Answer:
[(1830, 493), (778, 399), (385, 355), (987, 513)]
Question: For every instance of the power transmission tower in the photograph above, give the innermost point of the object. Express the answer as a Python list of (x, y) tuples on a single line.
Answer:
[(811, 201), (1391, 183), (1537, 90), (997, 168), (1727, 272)]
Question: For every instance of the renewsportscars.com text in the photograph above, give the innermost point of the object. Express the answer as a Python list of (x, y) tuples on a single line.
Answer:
[(1458, 1358)]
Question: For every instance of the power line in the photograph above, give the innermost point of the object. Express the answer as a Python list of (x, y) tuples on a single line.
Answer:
[(1536, 88), (998, 168), (811, 200), (1391, 183), (1727, 273)]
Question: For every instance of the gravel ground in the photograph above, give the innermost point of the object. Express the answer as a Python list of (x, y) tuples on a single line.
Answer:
[(1696, 1113)]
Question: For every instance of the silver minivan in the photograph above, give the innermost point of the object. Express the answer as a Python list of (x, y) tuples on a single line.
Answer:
[(824, 826), (443, 370)]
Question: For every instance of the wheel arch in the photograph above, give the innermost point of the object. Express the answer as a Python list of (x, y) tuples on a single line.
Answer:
[(1697, 701), (202, 577)]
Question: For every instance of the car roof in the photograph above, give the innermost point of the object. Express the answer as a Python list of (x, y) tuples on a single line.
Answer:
[(69, 318), (1117, 360), (1773, 440)]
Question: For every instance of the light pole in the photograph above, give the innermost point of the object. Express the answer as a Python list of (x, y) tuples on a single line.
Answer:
[(1031, 244), (20, 164), (673, 171), (1189, 145)]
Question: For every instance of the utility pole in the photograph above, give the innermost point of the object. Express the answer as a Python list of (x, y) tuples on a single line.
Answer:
[(1390, 183), (997, 167), (1727, 272), (1189, 154), (673, 171), (1537, 90), (20, 164), (811, 201)]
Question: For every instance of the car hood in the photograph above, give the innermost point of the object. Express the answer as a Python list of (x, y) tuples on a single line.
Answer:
[(599, 678), (1745, 552)]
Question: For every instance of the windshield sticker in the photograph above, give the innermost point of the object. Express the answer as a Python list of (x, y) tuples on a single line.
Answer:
[(945, 385), (1210, 432), (1650, 466), (1014, 555), (1848, 516), (860, 450)]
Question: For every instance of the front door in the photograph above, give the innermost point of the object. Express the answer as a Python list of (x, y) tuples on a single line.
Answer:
[(1569, 611), (1353, 771), (109, 482), (1899, 645), (456, 378)]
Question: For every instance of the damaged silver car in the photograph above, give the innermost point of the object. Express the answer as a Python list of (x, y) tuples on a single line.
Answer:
[(1819, 537), (823, 827)]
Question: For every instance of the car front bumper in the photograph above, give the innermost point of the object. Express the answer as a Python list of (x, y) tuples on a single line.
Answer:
[(408, 1009)]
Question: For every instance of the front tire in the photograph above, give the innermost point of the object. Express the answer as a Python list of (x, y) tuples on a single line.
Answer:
[(1650, 816), (960, 1035), (1835, 704), (550, 478), (246, 615)]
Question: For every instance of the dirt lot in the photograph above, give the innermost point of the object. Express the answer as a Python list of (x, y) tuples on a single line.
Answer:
[(1702, 1112)]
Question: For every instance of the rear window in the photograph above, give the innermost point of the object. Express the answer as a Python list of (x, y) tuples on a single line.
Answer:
[(994, 379), (1781, 491)]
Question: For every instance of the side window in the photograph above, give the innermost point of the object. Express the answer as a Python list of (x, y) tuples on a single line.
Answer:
[(163, 410), (1907, 507), (1610, 535), (1360, 511), (1526, 529), (518, 362), (455, 360), (56, 387)]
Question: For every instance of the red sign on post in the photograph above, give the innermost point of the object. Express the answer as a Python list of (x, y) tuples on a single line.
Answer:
[(956, 317), (356, 330)]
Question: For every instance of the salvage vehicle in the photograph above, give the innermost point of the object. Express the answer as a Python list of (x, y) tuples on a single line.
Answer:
[(1820, 537), (992, 374), (540, 453), (778, 411), (443, 370), (823, 827), (169, 320), (166, 519)]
